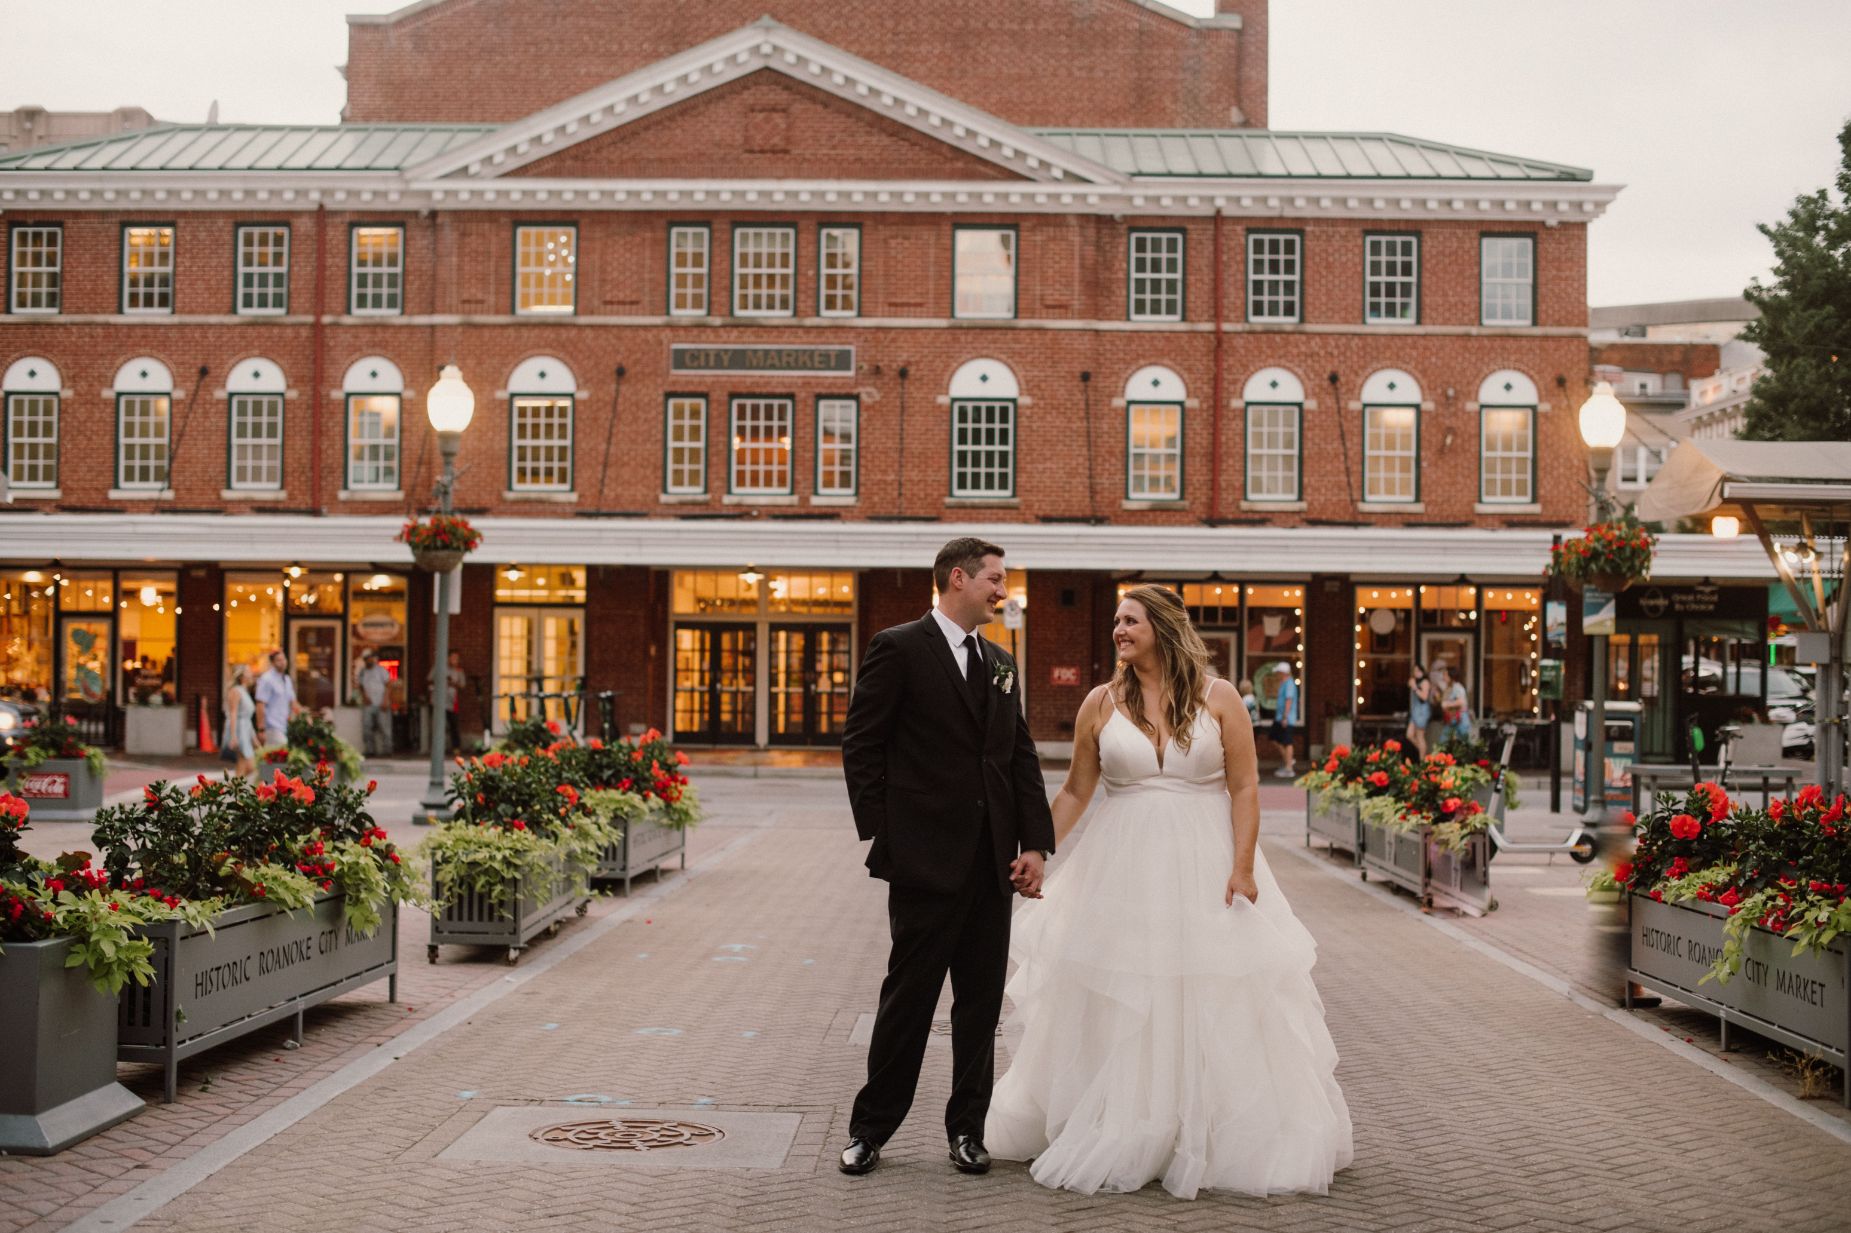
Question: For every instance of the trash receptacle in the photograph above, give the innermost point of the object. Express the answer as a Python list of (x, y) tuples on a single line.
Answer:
[(1622, 752)]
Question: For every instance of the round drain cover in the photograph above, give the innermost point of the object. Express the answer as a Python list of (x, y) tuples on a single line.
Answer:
[(634, 1134)]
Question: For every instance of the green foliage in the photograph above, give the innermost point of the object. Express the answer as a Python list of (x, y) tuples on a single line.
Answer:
[(1620, 545), (1805, 324), (54, 737), (309, 746)]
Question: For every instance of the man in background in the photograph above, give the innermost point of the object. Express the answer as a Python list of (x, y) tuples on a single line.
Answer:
[(373, 684), (276, 700)]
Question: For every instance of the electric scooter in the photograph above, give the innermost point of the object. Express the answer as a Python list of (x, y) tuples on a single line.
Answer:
[(1581, 845)]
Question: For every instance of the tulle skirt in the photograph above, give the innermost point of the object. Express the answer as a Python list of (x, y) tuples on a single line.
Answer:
[(1165, 1035)]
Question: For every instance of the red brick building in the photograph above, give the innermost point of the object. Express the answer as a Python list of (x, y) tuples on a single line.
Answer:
[(758, 312)]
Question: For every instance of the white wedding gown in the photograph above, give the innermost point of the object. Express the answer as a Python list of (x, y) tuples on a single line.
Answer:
[(1166, 1035)]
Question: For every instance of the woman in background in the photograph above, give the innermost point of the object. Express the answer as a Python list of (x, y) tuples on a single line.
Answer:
[(241, 722)]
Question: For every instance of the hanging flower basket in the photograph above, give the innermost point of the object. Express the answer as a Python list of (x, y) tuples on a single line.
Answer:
[(439, 543), (1610, 555)]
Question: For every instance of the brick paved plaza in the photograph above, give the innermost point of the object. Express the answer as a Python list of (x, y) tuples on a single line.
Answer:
[(1483, 1098)]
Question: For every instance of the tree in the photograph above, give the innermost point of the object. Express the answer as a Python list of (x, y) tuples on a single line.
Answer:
[(1804, 394)]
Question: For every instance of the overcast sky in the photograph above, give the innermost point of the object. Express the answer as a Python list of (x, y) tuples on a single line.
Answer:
[(1713, 113)]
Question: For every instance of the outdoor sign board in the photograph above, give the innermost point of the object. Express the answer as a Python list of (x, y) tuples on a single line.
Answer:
[(780, 359)]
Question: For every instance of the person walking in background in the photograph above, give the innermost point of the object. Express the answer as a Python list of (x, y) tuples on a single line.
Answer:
[(1252, 703), (1420, 709), (276, 700), (373, 684), (239, 744), (1456, 710), (1285, 708)]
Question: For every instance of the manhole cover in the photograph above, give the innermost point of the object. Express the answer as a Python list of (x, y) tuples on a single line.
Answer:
[(627, 1135)]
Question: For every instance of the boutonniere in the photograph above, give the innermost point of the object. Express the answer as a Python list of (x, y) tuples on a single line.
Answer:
[(1003, 677)]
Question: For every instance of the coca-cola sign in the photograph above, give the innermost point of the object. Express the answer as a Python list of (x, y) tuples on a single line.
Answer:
[(46, 785)]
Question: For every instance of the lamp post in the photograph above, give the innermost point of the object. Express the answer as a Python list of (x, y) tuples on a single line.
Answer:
[(1603, 426), (451, 404)]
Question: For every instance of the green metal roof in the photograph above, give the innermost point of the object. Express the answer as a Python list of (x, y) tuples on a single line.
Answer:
[(252, 147), (1249, 153)]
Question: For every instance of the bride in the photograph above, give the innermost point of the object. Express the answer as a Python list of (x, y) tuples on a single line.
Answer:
[(1170, 1028)]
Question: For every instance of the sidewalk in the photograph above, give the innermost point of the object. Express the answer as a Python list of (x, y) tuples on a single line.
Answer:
[(738, 998)]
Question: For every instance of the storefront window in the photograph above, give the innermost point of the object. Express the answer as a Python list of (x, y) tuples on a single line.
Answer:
[(1449, 634), (85, 592), (376, 613), (833, 594), (998, 631), (313, 594), (26, 614), (1210, 604), (1384, 648), (717, 592), (1513, 646), (1274, 634), (540, 584), (148, 616), (253, 613)]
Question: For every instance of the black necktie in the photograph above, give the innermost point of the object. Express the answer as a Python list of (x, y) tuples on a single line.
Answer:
[(973, 669)]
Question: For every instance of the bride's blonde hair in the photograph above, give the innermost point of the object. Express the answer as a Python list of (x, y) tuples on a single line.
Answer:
[(1182, 659)]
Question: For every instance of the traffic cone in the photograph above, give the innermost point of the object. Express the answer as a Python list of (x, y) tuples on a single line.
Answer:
[(206, 744)]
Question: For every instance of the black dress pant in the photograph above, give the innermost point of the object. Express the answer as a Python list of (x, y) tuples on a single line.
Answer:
[(965, 934)]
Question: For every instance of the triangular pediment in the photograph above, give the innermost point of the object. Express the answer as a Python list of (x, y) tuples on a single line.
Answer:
[(914, 131)]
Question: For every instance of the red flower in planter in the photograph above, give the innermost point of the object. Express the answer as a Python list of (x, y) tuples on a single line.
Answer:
[(1451, 804), (1729, 899), (1683, 826), (1379, 779), (1629, 819), (1622, 872), (1392, 746), (1341, 751)]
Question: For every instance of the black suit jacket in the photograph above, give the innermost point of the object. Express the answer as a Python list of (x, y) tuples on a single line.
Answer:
[(925, 766)]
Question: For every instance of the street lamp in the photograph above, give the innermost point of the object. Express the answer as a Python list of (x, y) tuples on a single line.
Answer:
[(1603, 426), (450, 404)]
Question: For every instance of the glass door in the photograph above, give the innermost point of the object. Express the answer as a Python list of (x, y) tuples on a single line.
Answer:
[(716, 685), (539, 665), (314, 660), (809, 684)]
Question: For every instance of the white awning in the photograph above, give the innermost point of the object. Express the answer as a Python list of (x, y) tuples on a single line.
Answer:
[(1703, 477)]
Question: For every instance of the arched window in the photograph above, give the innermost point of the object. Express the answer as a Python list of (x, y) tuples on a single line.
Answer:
[(375, 394), (541, 399), (1154, 398), (255, 393), (984, 396), (1274, 401), (1507, 405), (1391, 437), (144, 391), (33, 391)]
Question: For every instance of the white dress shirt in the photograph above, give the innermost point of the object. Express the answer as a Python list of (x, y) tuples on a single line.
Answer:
[(955, 635)]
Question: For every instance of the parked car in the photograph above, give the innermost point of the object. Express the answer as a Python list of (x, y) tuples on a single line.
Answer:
[(1786, 690), (15, 715)]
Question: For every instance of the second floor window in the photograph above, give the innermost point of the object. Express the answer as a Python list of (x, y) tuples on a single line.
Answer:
[(1391, 279), (1275, 276), (684, 449), (37, 264), (256, 441), (761, 446), (1273, 451), (1507, 454), (1507, 274), (765, 271), (983, 448), (262, 273), (147, 269), (983, 272), (545, 269), (1391, 450), (839, 280), (836, 429), (32, 440), (688, 265), (372, 441), (377, 271), (541, 455), (1154, 452), (142, 424), (1156, 275)]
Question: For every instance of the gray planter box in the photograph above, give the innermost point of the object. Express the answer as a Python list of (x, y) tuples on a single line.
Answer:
[(1799, 1000), (57, 1053), (1337, 823), (1395, 856), (644, 845), (473, 919), (158, 730), (258, 965), (1461, 880), (59, 790)]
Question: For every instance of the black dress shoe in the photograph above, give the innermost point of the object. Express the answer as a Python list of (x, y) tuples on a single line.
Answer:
[(968, 1155), (861, 1155)]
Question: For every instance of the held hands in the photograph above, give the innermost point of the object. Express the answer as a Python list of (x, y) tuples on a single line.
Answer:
[(1026, 873), (1241, 883)]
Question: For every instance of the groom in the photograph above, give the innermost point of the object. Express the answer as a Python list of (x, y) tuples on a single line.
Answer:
[(942, 776)]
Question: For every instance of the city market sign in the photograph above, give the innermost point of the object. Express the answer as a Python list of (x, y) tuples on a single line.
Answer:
[(688, 358)]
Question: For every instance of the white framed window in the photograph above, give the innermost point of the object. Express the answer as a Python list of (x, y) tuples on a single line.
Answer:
[(143, 422), (148, 269), (32, 440), (376, 265), (1638, 464), (689, 264), (1391, 278), (838, 283), (256, 459), (1391, 449), (765, 271), (1274, 451), (1507, 279), (36, 263), (983, 272), (1507, 454), (838, 427), (546, 269), (262, 274), (1156, 269), (372, 441), (761, 446), (1154, 451), (684, 445), (983, 448), (1275, 276), (540, 457)]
